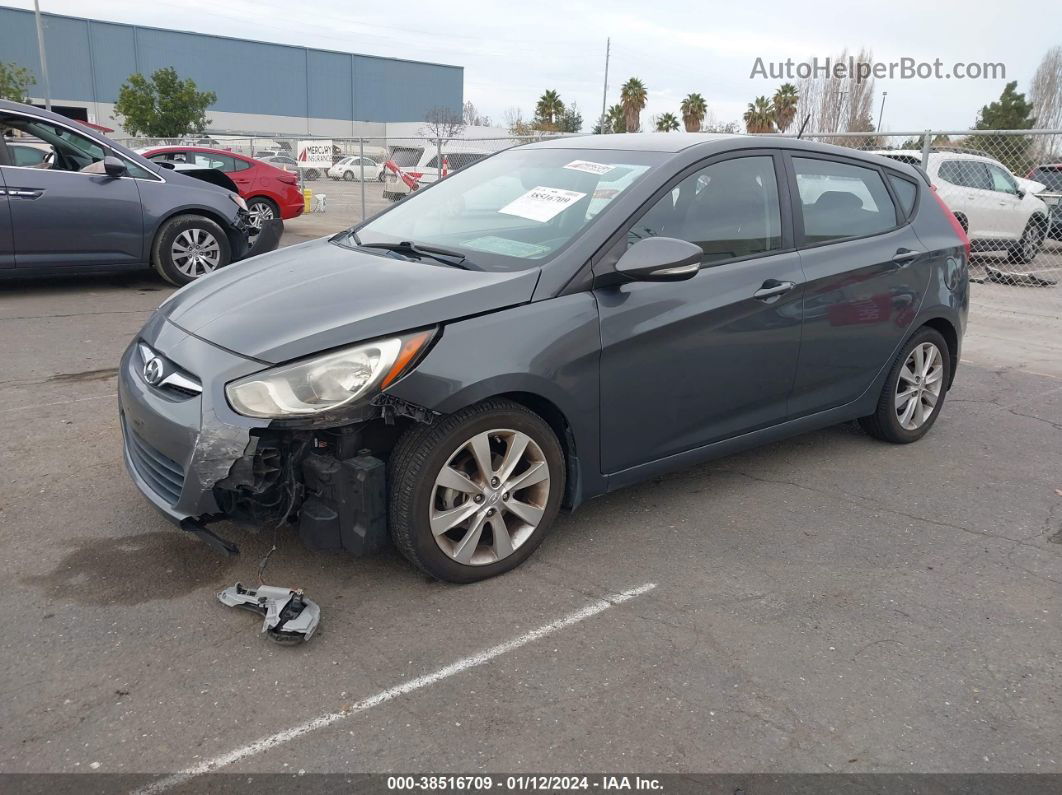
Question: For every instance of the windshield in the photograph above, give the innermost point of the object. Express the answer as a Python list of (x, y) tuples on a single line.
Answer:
[(513, 210)]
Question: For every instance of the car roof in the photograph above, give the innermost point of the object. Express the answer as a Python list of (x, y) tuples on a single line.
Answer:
[(207, 149), (632, 142)]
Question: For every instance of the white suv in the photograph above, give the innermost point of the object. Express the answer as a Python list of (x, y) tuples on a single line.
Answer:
[(998, 211)]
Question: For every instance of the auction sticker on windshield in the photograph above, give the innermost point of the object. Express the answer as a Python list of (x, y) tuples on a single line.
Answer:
[(590, 167), (541, 203)]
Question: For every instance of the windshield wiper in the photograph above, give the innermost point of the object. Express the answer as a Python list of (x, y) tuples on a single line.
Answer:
[(446, 256)]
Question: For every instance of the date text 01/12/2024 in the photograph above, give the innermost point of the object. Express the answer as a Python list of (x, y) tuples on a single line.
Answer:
[(541, 783)]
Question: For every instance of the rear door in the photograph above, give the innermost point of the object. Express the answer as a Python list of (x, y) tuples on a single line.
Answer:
[(866, 275), (70, 213)]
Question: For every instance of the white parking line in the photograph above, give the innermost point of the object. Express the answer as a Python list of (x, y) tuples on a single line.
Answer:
[(485, 656)]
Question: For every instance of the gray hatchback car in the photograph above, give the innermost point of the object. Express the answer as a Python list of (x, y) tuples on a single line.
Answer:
[(73, 201), (553, 323)]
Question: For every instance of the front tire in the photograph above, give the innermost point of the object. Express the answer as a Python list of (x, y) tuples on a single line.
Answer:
[(914, 390), (348, 176), (189, 246), (473, 496), (1032, 240)]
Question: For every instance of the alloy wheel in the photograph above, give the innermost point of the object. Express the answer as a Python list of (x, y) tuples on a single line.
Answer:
[(919, 386), (489, 497), (195, 252), (259, 212)]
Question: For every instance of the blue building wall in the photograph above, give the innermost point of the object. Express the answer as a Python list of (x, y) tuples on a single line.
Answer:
[(88, 61)]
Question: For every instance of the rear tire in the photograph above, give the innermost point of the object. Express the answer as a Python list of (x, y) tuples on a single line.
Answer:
[(908, 405), (188, 232), (492, 528)]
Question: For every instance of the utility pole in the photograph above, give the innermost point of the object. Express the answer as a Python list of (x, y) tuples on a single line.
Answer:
[(882, 111), (604, 92), (44, 57)]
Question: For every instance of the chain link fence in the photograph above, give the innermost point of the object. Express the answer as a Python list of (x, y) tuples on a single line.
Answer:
[(1005, 188)]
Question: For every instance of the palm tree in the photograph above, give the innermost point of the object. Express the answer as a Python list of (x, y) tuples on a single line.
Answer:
[(666, 122), (759, 118), (633, 97), (694, 109), (615, 119), (549, 108), (785, 106)]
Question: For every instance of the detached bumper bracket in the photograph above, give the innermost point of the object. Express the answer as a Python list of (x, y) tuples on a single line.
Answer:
[(199, 529)]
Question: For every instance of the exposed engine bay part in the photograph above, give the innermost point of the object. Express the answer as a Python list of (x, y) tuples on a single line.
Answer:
[(289, 617), (347, 506)]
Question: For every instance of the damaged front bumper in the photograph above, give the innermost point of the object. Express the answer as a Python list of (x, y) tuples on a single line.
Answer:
[(197, 461)]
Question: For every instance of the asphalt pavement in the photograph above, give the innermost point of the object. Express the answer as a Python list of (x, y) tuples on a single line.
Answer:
[(828, 603)]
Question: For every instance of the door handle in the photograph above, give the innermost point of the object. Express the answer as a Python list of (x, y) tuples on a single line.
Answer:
[(904, 256), (772, 288), (24, 193)]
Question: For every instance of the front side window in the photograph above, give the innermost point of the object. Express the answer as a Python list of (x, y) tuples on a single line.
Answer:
[(838, 200), (1002, 182), (512, 211), (72, 152), (729, 209)]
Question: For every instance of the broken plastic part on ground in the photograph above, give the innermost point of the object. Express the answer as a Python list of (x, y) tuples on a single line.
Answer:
[(289, 617)]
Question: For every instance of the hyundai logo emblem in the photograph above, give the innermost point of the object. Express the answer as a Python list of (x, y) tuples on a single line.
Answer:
[(153, 370)]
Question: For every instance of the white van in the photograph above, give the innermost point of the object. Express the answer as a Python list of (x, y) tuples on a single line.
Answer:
[(420, 160)]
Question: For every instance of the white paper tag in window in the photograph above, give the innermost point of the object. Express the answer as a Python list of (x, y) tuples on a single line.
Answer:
[(590, 167), (541, 203)]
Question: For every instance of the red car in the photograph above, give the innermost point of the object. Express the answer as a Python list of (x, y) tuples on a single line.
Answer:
[(270, 192)]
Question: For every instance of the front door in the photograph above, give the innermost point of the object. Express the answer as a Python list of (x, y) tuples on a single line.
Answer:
[(7, 245), (66, 211), (684, 364)]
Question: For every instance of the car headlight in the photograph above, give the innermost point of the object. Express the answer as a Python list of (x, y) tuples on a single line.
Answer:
[(327, 382), (238, 199)]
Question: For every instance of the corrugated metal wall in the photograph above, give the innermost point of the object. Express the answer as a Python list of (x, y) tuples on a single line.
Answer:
[(89, 60)]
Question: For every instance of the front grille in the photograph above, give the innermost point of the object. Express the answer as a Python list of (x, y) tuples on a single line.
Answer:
[(163, 474)]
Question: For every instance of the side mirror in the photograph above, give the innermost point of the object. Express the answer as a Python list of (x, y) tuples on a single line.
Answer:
[(1022, 193), (113, 167), (661, 259)]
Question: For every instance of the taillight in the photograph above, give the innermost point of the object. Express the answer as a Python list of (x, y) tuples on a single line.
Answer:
[(955, 225)]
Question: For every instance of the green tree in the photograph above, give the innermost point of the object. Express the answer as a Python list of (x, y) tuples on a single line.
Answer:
[(549, 110), (693, 109), (759, 118), (784, 103), (667, 122), (15, 81), (1010, 112), (163, 106), (633, 97), (571, 120)]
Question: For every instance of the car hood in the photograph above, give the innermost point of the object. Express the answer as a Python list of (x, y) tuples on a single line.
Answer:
[(318, 295)]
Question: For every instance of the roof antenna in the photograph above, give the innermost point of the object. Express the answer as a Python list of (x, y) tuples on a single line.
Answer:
[(802, 126)]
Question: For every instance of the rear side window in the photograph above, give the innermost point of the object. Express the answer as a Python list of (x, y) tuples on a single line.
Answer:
[(905, 191), (241, 165), (406, 156), (211, 160), (838, 200), (729, 209), (966, 174)]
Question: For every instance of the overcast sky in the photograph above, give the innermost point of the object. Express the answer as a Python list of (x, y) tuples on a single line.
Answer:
[(511, 52)]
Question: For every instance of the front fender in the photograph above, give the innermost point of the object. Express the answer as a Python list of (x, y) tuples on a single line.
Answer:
[(548, 349)]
